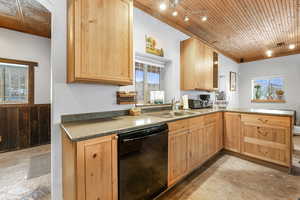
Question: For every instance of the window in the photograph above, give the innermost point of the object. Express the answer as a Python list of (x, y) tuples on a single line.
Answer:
[(268, 89), (16, 82), (147, 79)]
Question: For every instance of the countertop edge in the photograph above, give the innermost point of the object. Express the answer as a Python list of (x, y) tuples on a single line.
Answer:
[(119, 131)]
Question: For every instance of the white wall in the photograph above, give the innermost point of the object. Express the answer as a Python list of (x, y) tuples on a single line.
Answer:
[(167, 38), (226, 66), (22, 46), (287, 67)]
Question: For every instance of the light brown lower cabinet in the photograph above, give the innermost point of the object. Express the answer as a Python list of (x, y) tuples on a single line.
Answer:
[(90, 169), (178, 150), (191, 143), (232, 132), (267, 138), (197, 142)]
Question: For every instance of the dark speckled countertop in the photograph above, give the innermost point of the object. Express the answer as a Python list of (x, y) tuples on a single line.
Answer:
[(82, 130)]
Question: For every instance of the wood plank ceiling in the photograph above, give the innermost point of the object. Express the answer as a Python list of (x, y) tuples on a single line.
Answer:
[(27, 16), (241, 29)]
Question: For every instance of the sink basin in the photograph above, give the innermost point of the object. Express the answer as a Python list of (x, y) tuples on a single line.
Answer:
[(172, 114)]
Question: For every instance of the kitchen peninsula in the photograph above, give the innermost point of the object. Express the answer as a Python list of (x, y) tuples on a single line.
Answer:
[(90, 154)]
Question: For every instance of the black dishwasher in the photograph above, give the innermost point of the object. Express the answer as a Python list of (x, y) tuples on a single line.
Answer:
[(143, 163)]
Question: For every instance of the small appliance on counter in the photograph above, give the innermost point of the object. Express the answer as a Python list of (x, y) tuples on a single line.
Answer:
[(203, 102), (206, 102), (195, 104), (220, 101)]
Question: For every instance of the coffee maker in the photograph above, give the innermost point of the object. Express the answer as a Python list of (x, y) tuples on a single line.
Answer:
[(205, 101)]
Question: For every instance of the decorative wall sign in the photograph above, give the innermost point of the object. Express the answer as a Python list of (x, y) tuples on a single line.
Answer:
[(232, 81), (151, 47)]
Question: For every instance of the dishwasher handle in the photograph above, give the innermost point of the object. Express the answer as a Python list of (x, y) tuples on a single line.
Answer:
[(143, 137)]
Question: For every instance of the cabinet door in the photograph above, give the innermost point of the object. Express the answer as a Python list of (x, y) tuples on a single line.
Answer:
[(97, 169), (232, 131), (196, 147), (178, 156), (208, 69), (220, 132), (210, 133), (100, 46)]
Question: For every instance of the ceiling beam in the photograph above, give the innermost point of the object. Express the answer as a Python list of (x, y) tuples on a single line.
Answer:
[(20, 12), (12, 24)]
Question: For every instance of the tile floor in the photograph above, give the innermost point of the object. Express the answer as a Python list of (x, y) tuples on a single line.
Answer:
[(25, 174), (230, 178)]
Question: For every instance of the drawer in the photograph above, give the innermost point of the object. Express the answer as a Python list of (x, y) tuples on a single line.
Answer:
[(278, 135), (179, 125), (211, 118), (270, 154), (266, 120), (196, 122)]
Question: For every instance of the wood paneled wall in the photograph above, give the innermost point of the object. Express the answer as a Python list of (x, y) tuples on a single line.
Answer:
[(24, 126)]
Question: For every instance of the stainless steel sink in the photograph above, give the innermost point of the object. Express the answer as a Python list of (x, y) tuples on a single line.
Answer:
[(171, 114)]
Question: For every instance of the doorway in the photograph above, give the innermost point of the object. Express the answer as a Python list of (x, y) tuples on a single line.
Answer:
[(25, 100)]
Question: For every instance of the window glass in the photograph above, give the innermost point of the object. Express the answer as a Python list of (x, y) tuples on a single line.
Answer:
[(270, 88), (139, 82), (14, 83), (147, 79)]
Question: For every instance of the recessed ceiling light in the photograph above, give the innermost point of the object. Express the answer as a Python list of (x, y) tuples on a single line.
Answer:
[(204, 18), (186, 18), (269, 53), (292, 46), (175, 13), (163, 6)]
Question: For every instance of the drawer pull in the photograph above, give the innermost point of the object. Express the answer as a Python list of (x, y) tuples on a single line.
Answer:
[(263, 120), (262, 151), (94, 155), (261, 133)]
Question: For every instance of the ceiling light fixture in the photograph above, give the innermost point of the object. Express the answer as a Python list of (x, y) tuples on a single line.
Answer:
[(269, 53), (204, 18), (174, 13), (163, 6), (292, 46), (186, 18)]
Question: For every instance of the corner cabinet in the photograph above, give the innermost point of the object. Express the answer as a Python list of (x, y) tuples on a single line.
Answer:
[(199, 66), (90, 169), (100, 41)]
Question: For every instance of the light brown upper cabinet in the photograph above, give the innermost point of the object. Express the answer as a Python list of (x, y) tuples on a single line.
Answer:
[(100, 41), (199, 66)]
